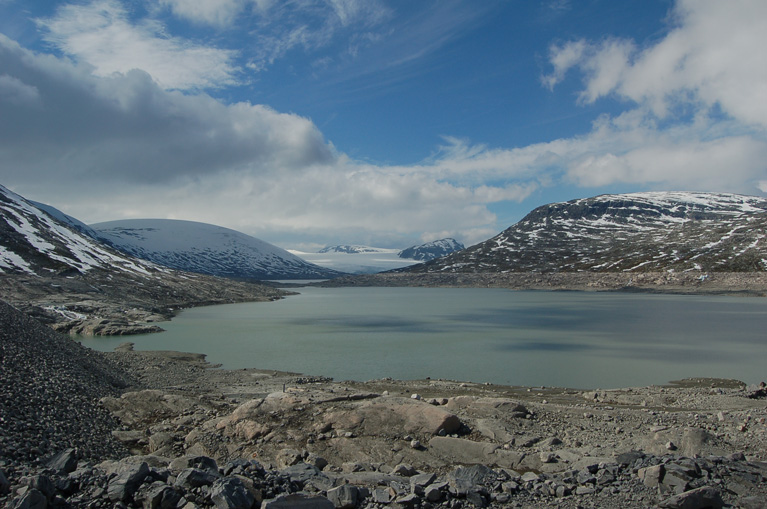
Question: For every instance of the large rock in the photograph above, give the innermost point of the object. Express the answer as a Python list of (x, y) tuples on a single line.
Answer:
[(297, 501), (700, 498), (397, 416), (124, 486), (142, 407), (231, 493)]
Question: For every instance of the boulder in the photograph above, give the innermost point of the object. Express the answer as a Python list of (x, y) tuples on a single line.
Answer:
[(297, 501), (64, 462), (700, 498), (462, 451), (29, 499), (345, 496), (122, 487), (231, 493), (195, 478), (399, 416)]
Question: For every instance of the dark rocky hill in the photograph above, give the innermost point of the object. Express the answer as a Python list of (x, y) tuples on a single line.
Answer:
[(642, 232), (431, 250)]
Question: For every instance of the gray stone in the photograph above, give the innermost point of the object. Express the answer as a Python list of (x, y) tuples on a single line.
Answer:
[(422, 480), (194, 478), (4, 484), (64, 462), (651, 476), (297, 501), (122, 487), (433, 494), (345, 496), (700, 498), (231, 493), (382, 495), (30, 499), (530, 477), (198, 462), (41, 483), (303, 474), (158, 495), (404, 469)]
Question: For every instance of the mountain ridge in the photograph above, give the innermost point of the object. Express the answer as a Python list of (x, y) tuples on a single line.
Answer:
[(655, 231), (207, 249)]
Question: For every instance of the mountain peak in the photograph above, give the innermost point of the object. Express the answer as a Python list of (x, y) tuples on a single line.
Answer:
[(431, 250)]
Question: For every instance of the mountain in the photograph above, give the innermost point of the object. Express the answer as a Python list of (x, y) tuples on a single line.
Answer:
[(353, 249), (207, 249), (431, 250), (36, 240), (53, 268), (640, 232)]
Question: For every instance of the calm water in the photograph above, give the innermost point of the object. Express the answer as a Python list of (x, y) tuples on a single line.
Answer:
[(566, 339)]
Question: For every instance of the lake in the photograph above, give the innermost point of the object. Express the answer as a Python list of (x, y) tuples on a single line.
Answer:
[(533, 338)]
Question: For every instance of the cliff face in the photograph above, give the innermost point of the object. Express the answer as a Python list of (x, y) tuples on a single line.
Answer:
[(639, 232)]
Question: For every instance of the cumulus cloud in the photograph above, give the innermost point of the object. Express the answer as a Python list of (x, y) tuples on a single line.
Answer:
[(709, 58), (699, 112), (126, 128), (101, 35)]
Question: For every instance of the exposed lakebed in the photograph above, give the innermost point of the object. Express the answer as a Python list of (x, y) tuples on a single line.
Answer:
[(532, 338)]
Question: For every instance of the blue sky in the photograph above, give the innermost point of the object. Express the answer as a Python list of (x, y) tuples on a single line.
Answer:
[(387, 123)]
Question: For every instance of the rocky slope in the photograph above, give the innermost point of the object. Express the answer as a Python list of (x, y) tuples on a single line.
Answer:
[(207, 249), (51, 267), (642, 232), (431, 250)]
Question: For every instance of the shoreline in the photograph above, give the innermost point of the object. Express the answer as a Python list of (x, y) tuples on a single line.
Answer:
[(683, 283)]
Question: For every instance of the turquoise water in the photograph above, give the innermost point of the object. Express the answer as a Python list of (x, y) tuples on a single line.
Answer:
[(565, 339)]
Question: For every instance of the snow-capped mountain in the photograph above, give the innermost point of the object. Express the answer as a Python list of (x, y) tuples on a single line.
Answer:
[(207, 249), (630, 232), (354, 249), (431, 250), (37, 241)]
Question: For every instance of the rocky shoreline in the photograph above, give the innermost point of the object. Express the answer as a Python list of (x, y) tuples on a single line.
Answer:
[(177, 432), (690, 282), (98, 304)]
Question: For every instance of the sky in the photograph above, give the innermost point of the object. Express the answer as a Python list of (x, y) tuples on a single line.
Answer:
[(387, 123)]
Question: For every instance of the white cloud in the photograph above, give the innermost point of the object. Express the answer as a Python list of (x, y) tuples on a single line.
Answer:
[(102, 35), (218, 13), (126, 128), (710, 57)]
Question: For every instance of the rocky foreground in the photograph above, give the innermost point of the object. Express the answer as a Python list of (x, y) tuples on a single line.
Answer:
[(165, 429)]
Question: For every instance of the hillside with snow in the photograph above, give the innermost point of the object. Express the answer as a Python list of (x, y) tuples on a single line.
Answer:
[(36, 240), (640, 232), (431, 250), (207, 249), (54, 268)]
